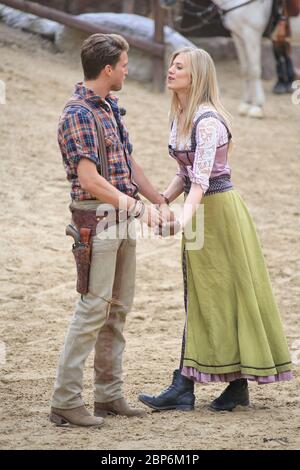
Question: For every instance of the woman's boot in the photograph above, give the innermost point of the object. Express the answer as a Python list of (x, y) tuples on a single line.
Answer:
[(235, 394), (178, 396)]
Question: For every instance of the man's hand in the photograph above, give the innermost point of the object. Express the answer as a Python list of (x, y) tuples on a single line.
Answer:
[(151, 216), (168, 229), (166, 213)]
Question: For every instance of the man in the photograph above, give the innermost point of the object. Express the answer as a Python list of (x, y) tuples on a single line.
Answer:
[(98, 321), (281, 40)]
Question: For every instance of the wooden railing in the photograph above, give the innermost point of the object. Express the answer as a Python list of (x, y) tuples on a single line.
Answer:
[(156, 48)]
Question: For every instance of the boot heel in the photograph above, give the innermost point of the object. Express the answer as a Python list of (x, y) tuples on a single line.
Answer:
[(58, 420), (184, 407), (102, 413), (245, 403)]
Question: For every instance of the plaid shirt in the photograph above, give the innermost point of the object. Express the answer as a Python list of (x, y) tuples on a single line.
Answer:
[(77, 138)]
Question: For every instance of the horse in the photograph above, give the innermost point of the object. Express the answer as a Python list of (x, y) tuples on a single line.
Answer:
[(247, 21)]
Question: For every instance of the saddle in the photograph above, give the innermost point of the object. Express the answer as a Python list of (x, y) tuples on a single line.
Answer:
[(292, 7), (282, 11), (278, 25)]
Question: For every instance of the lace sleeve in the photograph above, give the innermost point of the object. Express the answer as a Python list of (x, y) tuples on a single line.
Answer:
[(206, 139), (181, 172)]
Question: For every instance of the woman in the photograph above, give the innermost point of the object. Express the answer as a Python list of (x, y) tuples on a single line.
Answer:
[(233, 331)]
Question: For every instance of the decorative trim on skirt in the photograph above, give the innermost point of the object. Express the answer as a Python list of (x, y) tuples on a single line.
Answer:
[(196, 376)]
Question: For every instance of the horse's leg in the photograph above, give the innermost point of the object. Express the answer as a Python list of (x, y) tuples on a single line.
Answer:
[(252, 41), (245, 104)]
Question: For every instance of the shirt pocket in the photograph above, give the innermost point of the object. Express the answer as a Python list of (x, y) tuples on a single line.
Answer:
[(111, 140)]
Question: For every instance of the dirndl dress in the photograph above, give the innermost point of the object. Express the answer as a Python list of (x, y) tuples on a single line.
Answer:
[(233, 328)]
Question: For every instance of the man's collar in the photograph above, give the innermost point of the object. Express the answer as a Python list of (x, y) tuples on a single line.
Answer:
[(88, 94)]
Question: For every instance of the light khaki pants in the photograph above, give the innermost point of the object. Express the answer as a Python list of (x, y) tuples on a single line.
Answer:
[(97, 325)]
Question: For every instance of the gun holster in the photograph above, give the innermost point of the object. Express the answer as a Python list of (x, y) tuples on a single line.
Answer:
[(82, 254), (83, 251)]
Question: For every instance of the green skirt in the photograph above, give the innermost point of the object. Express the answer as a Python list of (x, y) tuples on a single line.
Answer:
[(233, 326)]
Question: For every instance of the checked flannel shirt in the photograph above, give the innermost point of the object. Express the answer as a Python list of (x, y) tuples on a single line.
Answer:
[(77, 138)]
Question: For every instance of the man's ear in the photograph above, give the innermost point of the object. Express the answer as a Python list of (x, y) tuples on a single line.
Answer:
[(108, 69)]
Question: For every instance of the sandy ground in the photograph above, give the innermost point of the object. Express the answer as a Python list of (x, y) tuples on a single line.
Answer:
[(37, 271)]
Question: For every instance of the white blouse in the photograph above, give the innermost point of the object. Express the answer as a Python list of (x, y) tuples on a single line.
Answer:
[(210, 134)]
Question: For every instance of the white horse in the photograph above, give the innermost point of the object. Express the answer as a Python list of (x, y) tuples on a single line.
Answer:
[(247, 22), (247, 25)]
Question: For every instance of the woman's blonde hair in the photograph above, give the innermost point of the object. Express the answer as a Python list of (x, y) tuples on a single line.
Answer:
[(203, 87)]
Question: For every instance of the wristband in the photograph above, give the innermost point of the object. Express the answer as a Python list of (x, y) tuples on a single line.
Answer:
[(165, 198)]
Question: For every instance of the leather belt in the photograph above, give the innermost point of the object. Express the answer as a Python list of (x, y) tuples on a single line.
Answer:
[(218, 184), (89, 219)]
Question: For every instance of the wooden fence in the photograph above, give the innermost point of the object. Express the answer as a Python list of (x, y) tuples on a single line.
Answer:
[(155, 47)]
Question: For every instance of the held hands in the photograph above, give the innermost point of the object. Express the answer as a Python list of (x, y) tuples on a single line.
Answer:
[(166, 213), (152, 216), (162, 220), (146, 213), (169, 228), (159, 217)]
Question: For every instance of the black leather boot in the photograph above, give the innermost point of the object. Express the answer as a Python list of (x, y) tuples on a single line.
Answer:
[(236, 393), (291, 76), (178, 396), (280, 88), (284, 68)]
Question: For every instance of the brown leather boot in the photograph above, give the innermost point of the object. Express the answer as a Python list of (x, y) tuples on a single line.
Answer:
[(79, 416), (117, 407)]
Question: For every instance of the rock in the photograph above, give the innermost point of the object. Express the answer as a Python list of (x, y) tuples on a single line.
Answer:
[(32, 23)]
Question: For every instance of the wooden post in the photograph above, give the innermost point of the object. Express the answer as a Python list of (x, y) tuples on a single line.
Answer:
[(158, 63), (128, 6), (155, 49), (67, 6)]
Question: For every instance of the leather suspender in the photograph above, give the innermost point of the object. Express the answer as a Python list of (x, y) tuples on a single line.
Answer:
[(100, 133), (204, 116)]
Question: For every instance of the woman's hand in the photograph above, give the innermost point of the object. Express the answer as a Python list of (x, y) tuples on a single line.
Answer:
[(168, 229), (166, 213), (151, 216)]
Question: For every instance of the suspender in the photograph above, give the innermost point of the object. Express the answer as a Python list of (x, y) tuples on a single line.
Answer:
[(203, 116), (100, 133)]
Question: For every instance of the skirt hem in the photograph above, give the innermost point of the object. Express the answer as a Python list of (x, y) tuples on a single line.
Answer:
[(193, 374)]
